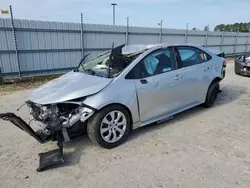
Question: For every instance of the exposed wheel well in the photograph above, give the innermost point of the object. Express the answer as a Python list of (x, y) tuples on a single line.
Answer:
[(125, 107), (217, 79)]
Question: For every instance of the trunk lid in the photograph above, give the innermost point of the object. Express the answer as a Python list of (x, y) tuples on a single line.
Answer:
[(217, 52)]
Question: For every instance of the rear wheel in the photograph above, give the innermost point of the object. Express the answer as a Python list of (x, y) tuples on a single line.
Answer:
[(212, 93), (110, 126)]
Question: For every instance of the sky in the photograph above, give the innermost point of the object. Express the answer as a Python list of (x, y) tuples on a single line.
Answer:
[(148, 13)]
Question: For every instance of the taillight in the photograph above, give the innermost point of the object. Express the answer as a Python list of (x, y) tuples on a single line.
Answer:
[(224, 63)]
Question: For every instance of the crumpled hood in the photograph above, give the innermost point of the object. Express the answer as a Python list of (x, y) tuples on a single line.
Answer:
[(70, 86)]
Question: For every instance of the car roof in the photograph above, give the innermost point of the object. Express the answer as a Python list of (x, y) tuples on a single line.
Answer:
[(134, 48)]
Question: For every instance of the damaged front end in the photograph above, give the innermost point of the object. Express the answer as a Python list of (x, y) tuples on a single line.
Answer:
[(58, 106), (58, 122)]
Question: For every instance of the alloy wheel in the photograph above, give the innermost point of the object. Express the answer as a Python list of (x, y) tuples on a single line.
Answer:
[(113, 126)]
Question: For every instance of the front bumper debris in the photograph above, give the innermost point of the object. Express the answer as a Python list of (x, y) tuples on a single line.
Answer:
[(47, 159), (20, 123), (245, 71), (51, 158), (242, 67)]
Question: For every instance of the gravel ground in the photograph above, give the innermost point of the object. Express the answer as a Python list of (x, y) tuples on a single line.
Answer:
[(198, 148)]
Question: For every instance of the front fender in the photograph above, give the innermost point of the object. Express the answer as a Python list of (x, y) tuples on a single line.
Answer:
[(116, 92)]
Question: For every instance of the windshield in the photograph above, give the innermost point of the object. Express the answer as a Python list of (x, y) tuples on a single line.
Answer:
[(99, 66)]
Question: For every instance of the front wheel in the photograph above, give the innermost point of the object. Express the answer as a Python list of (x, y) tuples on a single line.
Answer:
[(212, 93), (110, 126), (236, 71)]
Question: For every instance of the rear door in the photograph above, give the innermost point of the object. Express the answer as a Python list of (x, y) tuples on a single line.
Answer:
[(195, 68)]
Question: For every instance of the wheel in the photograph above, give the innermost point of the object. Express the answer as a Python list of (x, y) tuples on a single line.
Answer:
[(110, 126), (212, 93), (236, 72)]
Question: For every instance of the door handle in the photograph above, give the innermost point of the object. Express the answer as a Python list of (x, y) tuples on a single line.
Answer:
[(143, 81), (206, 68), (178, 77)]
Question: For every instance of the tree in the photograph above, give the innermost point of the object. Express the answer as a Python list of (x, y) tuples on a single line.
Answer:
[(229, 28), (220, 27), (206, 28), (236, 27), (195, 29)]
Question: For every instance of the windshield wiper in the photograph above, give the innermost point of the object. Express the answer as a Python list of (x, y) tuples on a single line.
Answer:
[(91, 72), (81, 62)]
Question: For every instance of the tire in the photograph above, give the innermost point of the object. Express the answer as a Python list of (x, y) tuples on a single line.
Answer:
[(102, 127), (236, 72), (212, 93)]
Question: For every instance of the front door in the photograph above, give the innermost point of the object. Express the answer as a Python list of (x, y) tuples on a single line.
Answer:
[(159, 85)]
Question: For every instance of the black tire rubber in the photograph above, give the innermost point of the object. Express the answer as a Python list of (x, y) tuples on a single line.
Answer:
[(212, 93), (94, 123), (236, 72)]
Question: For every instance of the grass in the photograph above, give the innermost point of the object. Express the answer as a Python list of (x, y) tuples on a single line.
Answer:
[(13, 85)]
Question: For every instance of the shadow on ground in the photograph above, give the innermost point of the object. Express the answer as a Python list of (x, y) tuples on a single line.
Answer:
[(78, 145), (229, 94)]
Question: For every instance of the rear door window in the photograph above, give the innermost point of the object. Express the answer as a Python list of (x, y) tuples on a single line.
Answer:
[(192, 56)]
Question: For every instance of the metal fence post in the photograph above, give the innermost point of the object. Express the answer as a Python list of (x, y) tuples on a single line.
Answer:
[(206, 39), (235, 43), (186, 34), (15, 42), (222, 41), (126, 42), (160, 37), (82, 39), (1, 77), (247, 42)]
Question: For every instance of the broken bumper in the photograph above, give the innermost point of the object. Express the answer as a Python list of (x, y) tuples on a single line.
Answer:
[(20, 123), (242, 68), (60, 134), (245, 71), (47, 159)]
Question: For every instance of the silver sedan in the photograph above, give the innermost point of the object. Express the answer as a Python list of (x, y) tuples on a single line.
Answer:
[(122, 90)]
